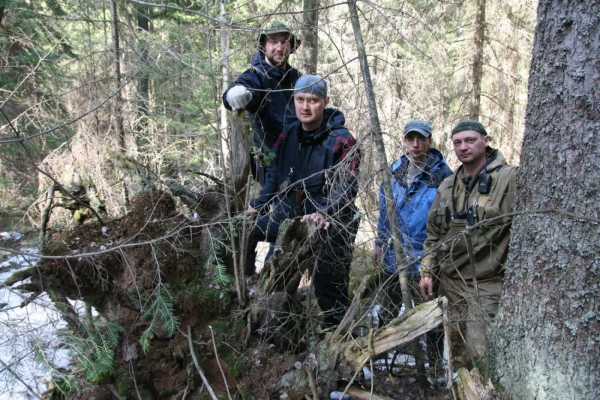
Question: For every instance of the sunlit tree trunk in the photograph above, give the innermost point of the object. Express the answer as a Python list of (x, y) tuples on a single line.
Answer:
[(310, 37), (386, 175), (548, 343), (376, 130), (117, 111), (143, 82), (475, 107)]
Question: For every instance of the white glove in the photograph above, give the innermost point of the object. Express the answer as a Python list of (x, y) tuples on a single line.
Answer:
[(238, 96)]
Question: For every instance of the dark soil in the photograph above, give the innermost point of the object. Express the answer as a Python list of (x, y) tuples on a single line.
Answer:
[(116, 269)]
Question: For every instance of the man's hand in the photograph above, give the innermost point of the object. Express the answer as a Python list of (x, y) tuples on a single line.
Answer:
[(238, 96), (317, 218), (251, 210), (426, 287), (376, 256)]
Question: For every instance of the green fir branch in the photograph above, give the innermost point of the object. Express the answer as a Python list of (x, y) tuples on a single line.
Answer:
[(161, 316)]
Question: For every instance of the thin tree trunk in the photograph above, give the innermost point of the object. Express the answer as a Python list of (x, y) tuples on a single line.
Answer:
[(143, 83), (386, 175), (475, 109), (46, 212), (117, 111), (376, 131), (310, 37), (235, 142)]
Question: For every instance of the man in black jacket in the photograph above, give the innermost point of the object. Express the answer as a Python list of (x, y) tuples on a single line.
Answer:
[(314, 176), (265, 90)]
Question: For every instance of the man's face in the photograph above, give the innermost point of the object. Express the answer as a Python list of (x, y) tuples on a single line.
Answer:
[(469, 147), (417, 146), (277, 49), (309, 110)]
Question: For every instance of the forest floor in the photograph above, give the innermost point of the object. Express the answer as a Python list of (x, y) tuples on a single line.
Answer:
[(166, 365)]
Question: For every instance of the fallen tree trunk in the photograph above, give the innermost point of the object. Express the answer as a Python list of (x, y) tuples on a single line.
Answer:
[(342, 357)]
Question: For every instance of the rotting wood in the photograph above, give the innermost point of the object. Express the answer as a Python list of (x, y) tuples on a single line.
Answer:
[(398, 332), (471, 387), (345, 359)]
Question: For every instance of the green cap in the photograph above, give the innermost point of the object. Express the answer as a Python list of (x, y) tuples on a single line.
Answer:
[(469, 125), (275, 27)]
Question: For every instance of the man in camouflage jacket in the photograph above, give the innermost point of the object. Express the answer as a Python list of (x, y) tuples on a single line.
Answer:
[(468, 231)]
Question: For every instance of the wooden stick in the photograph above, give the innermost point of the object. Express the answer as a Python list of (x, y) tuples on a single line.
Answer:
[(212, 334), (200, 371)]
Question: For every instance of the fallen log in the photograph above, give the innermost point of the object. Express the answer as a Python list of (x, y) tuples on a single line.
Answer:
[(333, 360)]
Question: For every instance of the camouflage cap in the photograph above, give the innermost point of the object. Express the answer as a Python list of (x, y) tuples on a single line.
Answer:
[(274, 27)]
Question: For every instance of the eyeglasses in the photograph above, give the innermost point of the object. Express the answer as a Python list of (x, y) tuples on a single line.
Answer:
[(420, 139)]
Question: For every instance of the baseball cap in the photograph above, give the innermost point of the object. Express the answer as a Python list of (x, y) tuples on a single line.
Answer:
[(418, 125)]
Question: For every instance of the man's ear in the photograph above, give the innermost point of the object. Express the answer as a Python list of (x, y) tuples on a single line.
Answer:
[(326, 101)]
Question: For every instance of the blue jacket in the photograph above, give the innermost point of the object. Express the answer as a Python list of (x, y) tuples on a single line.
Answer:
[(412, 207), (323, 166), (272, 105)]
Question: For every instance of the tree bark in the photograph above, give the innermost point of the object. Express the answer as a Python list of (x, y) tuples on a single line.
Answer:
[(547, 339), (114, 19), (310, 39), (479, 40), (144, 81)]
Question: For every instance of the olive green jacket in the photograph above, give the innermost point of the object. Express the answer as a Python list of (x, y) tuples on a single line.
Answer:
[(446, 247)]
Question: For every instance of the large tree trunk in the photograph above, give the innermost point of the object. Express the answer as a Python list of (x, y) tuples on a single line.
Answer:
[(547, 331)]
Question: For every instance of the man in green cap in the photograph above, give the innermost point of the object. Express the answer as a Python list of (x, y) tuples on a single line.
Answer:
[(265, 90), (468, 231)]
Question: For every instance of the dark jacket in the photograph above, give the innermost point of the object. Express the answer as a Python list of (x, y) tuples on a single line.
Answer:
[(412, 203), (323, 166), (272, 106)]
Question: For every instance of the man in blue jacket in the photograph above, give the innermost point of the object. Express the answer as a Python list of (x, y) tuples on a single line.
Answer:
[(265, 90), (415, 179), (314, 177)]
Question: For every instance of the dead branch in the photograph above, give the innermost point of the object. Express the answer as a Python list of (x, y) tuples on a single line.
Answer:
[(212, 333), (198, 368)]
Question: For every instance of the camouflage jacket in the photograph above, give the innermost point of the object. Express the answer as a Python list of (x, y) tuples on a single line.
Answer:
[(446, 247)]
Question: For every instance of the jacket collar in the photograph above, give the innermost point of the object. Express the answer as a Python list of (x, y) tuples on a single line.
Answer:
[(260, 63)]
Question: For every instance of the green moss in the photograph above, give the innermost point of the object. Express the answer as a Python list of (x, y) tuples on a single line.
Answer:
[(163, 392), (229, 331), (124, 384)]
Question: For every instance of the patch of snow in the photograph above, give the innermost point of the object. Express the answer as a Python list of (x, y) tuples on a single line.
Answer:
[(339, 395), (368, 375), (10, 235), (28, 337)]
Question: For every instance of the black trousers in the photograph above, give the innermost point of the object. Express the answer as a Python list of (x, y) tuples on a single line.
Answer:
[(334, 254)]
